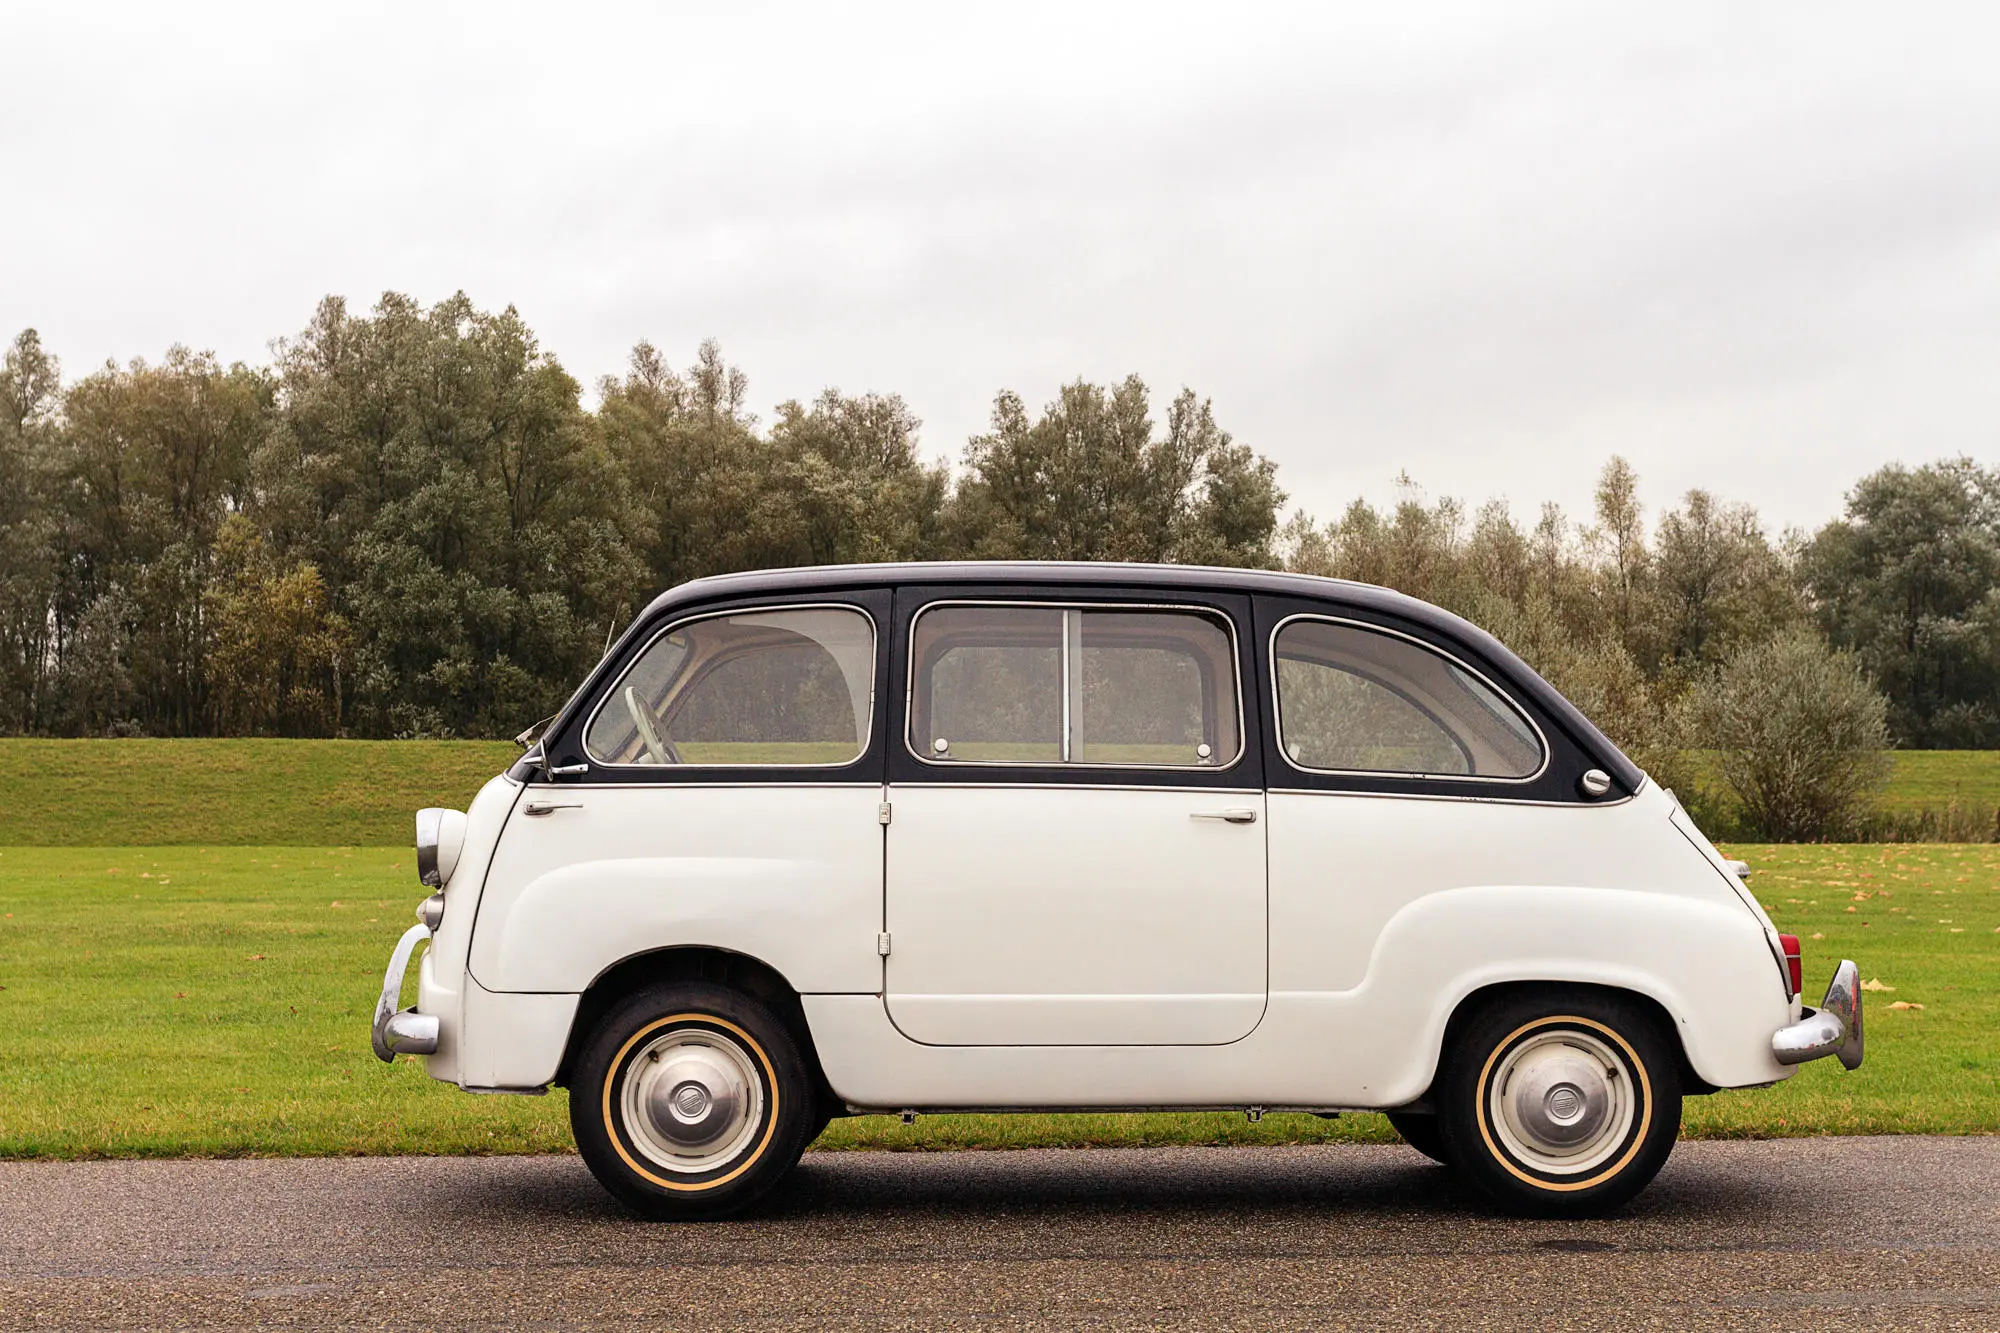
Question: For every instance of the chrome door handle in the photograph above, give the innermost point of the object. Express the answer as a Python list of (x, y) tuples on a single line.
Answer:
[(1239, 814), (534, 809)]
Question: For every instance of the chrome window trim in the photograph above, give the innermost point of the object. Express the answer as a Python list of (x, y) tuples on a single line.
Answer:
[(867, 728), (1092, 786), (571, 789), (1185, 608), (1539, 803), (1278, 714)]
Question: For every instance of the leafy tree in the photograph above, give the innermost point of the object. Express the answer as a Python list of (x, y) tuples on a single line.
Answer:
[(437, 470), (1802, 734), (30, 564), (1090, 479), (1909, 579), (1719, 583)]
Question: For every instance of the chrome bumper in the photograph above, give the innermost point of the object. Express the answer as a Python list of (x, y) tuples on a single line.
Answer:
[(407, 1032), (1832, 1029)]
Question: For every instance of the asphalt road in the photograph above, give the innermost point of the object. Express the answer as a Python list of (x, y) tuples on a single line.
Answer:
[(1809, 1234)]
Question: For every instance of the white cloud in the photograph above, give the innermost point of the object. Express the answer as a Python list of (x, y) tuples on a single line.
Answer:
[(1754, 248)]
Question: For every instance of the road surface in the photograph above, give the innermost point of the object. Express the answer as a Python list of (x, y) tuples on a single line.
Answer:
[(1872, 1234)]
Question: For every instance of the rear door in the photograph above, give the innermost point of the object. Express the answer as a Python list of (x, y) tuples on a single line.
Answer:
[(1076, 847)]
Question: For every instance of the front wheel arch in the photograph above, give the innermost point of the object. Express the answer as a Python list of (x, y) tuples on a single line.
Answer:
[(721, 967)]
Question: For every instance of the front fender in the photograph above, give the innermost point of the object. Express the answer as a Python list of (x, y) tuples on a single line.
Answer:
[(564, 929), (1705, 963)]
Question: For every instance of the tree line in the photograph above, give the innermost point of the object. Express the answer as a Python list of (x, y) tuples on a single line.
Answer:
[(409, 523)]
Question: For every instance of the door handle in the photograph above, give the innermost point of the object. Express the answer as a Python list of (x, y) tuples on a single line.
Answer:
[(535, 809), (1239, 814)]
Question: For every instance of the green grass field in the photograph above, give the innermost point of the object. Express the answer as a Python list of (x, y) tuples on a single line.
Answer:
[(219, 793), (279, 793), (177, 1001), (1932, 779)]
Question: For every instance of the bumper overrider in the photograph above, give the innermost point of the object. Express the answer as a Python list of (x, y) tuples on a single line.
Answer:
[(404, 1032), (1832, 1029)]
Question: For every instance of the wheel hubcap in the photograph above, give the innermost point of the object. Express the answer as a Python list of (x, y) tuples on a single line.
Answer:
[(1562, 1102), (692, 1100)]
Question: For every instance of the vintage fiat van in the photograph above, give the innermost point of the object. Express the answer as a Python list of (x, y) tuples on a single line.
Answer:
[(1010, 837)]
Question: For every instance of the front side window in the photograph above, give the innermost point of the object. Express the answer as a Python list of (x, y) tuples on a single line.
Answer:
[(1359, 700), (788, 689), (1073, 685)]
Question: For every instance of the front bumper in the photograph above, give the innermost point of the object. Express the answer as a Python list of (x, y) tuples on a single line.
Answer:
[(1832, 1029), (406, 1032)]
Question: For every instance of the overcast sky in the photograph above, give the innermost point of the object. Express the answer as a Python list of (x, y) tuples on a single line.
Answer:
[(1754, 247)]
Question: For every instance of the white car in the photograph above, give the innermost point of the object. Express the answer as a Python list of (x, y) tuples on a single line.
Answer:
[(1051, 837)]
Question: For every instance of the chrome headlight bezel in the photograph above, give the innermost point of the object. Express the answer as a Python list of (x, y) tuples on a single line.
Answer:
[(430, 824), (440, 838)]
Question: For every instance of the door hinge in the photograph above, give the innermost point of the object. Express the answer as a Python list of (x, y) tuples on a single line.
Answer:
[(882, 944), (882, 812)]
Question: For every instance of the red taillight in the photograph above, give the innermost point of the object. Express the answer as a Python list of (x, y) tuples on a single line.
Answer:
[(1794, 965)]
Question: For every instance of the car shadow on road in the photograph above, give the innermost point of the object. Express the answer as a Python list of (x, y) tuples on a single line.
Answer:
[(1262, 1185)]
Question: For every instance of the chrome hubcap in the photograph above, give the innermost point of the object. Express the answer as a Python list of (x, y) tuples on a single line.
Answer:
[(692, 1100), (1561, 1102)]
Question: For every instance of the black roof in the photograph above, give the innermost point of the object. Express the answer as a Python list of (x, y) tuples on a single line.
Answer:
[(1054, 573)]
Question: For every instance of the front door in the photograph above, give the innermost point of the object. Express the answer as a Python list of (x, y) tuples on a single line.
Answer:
[(1075, 853)]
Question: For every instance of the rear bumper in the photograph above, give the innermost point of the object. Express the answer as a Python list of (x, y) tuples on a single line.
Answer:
[(1832, 1029), (406, 1032)]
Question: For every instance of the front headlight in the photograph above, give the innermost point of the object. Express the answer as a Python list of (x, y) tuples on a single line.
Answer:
[(440, 838)]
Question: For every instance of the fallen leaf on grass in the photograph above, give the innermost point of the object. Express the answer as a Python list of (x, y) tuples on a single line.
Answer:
[(1819, 935), (256, 957), (1875, 983), (1853, 909), (1905, 1004)]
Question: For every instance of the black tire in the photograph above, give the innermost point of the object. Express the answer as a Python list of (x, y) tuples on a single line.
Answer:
[(1520, 1076), (691, 1101), (1422, 1133)]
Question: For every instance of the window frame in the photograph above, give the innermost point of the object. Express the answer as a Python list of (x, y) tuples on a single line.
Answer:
[(866, 728), (1387, 774), (1209, 613)]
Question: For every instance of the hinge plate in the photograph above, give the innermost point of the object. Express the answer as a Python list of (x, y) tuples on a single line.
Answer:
[(882, 944), (882, 813)]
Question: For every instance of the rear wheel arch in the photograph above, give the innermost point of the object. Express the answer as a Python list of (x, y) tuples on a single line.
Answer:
[(1485, 998)]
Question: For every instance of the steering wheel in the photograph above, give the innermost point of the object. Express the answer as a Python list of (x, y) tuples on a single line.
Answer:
[(658, 750)]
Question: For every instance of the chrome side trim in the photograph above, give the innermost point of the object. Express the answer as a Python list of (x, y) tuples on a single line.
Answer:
[(1446, 796), (1834, 1029), (1089, 786), (407, 1032), (1278, 714)]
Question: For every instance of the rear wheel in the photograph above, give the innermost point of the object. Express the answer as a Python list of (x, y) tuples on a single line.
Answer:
[(1560, 1105), (691, 1101), (1422, 1133)]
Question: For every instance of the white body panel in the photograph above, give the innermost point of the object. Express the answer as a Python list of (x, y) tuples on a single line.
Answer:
[(1035, 915), (788, 874)]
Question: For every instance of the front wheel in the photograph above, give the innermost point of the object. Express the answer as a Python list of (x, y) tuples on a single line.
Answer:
[(690, 1102), (1560, 1105)]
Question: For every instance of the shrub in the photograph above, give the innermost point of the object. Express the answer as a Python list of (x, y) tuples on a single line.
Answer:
[(1803, 736)]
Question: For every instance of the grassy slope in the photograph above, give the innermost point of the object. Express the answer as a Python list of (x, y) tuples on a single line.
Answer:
[(215, 1001), (146, 793), (1935, 778), (141, 793)]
